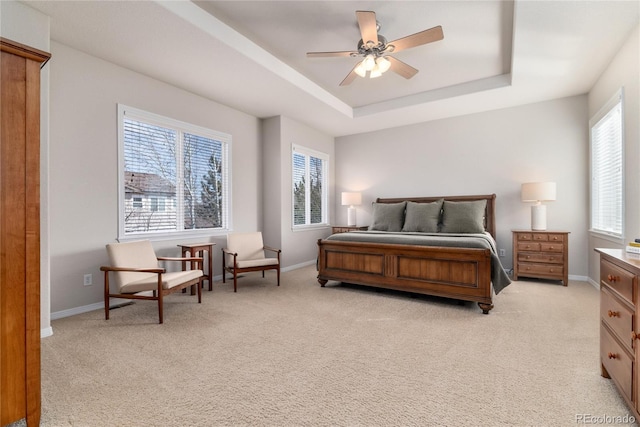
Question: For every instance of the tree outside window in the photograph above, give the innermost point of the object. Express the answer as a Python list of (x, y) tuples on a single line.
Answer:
[(309, 187)]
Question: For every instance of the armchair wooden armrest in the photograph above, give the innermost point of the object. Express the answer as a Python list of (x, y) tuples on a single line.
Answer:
[(227, 251), (269, 248), (107, 268)]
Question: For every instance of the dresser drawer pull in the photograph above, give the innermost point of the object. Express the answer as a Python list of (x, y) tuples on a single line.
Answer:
[(634, 336), (612, 355), (613, 313), (612, 278)]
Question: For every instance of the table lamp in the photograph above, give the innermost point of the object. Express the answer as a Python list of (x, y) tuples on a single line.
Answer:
[(538, 192), (351, 199)]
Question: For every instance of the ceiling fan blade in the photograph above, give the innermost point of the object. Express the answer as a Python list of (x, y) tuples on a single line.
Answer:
[(350, 77), (423, 37), (399, 67), (368, 26), (329, 54)]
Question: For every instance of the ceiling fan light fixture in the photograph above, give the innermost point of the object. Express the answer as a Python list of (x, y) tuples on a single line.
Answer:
[(360, 70), (383, 64), (376, 72), (369, 62)]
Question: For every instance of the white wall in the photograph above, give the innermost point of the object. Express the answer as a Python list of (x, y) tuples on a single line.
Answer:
[(485, 153), (85, 91), (279, 134), (30, 27), (624, 71)]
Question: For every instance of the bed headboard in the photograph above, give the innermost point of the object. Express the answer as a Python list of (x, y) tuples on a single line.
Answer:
[(489, 215)]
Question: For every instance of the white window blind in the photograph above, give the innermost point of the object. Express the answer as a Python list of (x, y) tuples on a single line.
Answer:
[(310, 187), (174, 177), (607, 174)]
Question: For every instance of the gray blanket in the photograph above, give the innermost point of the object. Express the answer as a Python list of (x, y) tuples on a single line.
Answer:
[(499, 277)]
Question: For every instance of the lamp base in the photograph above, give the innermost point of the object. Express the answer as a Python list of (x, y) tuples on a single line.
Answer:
[(351, 216), (539, 217)]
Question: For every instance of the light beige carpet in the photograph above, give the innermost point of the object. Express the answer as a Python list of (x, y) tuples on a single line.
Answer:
[(300, 354)]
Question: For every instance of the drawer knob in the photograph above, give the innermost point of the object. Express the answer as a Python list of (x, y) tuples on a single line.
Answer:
[(634, 336), (612, 355), (612, 278), (614, 314)]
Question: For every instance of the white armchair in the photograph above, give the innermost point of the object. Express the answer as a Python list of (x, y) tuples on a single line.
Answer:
[(135, 268), (245, 252)]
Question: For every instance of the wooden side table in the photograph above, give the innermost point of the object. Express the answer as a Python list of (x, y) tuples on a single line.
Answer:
[(197, 250), (346, 228), (541, 254)]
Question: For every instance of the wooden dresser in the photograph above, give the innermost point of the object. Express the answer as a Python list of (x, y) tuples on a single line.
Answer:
[(619, 322), (541, 254), (20, 232)]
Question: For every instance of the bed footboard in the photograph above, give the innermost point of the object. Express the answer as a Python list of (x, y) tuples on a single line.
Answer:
[(458, 273)]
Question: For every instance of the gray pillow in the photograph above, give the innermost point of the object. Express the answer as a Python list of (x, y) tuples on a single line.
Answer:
[(388, 216), (423, 217), (463, 217)]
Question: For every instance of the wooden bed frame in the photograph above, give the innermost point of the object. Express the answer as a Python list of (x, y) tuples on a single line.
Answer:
[(451, 272)]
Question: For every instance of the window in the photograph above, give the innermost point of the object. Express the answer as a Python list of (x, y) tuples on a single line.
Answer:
[(173, 176), (607, 174), (310, 187)]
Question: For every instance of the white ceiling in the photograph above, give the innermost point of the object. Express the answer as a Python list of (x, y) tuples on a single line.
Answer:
[(250, 55)]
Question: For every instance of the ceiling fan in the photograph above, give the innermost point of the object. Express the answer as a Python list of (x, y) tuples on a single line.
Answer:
[(375, 49)]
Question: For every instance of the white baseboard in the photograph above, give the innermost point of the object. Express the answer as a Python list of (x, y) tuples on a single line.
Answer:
[(77, 310), (593, 283), (579, 278), (46, 332)]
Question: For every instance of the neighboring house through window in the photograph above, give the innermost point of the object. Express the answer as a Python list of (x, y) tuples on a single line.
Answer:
[(607, 172), (310, 187), (174, 177)]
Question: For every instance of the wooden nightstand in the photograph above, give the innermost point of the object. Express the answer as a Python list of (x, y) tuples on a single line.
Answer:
[(541, 254), (346, 228)]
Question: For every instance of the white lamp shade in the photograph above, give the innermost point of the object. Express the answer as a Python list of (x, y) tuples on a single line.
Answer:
[(350, 199), (538, 191)]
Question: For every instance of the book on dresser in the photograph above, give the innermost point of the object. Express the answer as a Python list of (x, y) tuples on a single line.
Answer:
[(633, 249)]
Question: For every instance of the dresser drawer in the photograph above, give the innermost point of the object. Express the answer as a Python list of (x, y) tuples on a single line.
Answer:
[(538, 257), (525, 237), (546, 270), (617, 279), (555, 238), (530, 246), (551, 247), (618, 317), (616, 361)]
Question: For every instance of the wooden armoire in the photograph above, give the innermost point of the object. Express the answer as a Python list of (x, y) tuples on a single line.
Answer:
[(20, 232)]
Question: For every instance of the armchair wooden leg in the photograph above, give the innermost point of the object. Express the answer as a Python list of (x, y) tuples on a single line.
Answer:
[(200, 291), (106, 295), (278, 270), (235, 281)]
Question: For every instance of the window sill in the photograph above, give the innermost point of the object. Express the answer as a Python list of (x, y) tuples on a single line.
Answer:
[(310, 227), (608, 237), (180, 235)]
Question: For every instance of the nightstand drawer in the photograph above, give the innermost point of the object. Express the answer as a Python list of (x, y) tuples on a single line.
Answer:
[(616, 361), (617, 279), (540, 269), (535, 247), (618, 317), (559, 238), (551, 247), (539, 257)]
